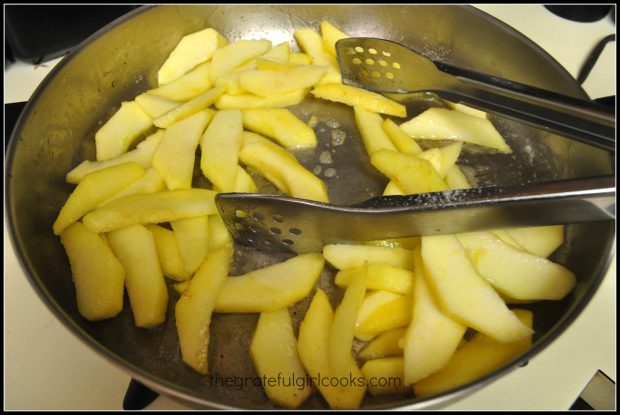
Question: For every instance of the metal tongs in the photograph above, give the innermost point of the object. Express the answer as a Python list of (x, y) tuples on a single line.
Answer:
[(284, 223)]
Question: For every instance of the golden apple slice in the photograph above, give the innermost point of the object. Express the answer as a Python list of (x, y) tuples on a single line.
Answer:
[(231, 56), (192, 50), (380, 277), (444, 124), (151, 208), (281, 125), (199, 103), (299, 59), (387, 316), (458, 286), (279, 53), (174, 157), (186, 87), (194, 308), (168, 253), (344, 256), (231, 82), (95, 188), (192, 236), (442, 159), (401, 140), (120, 131), (393, 189), (248, 101), (468, 110), (155, 105), (432, 337), (244, 182), (312, 345), (263, 64), (265, 83), (373, 301), (539, 240), (386, 344), (311, 42), (148, 295), (343, 325), (151, 182), (455, 178), (219, 147), (331, 35), (270, 288), (475, 359), (514, 273), (412, 174), (97, 274), (385, 376), (356, 97), (142, 154), (370, 127), (218, 234), (274, 353)]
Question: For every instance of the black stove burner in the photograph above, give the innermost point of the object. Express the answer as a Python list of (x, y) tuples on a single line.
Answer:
[(580, 12)]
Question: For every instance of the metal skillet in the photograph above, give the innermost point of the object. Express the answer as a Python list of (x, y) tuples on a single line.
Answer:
[(55, 133)]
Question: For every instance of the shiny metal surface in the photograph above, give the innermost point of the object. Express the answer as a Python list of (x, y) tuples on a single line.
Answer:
[(301, 226), (388, 67), (56, 132)]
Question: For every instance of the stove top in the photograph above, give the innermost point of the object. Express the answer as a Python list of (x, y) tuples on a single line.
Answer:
[(48, 368)]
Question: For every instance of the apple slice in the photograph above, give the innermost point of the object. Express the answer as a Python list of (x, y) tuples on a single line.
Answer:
[(386, 344), (274, 353), (219, 147), (193, 83), (142, 155), (281, 125), (393, 189), (279, 53), (95, 188), (385, 376), (299, 59), (243, 184), (151, 208), (380, 277), (270, 288), (331, 35), (444, 124), (403, 142), (192, 235), (475, 359), (247, 101), (151, 182), (311, 42), (265, 83), (231, 82), (168, 253), (192, 50), (344, 256), (356, 97), (442, 158), (313, 344), (148, 295), (199, 103), (194, 308), (97, 274), (174, 157), (539, 240), (411, 173), (231, 56), (154, 105), (370, 127), (514, 273), (120, 131), (456, 179), (467, 110), (458, 286), (390, 315), (218, 234), (432, 337)]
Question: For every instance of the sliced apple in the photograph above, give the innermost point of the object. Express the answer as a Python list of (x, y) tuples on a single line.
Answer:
[(186, 87), (218, 234), (155, 105), (432, 337), (97, 275), (344, 256), (194, 308), (281, 125), (192, 50), (380, 277), (514, 273), (192, 235), (231, 56), (135, 248), (457, 286), (467, 110), (388, 316), (442, 159), (151, 182), (220, 146), (299, 59), (412, 174), (393, 189), (311, 42), (370, 127), (331, 35), (199, 103), (356, 97), (274, 353), (539, 240), (270, 288), (475, 359), (174, 157), (231, 82), (151, 208), (265, 83), (95, 188), (168, 253), (385, 376), (247, 101), (142, 154), (279, 53), (386, 344), (120, 131), (455, 178), (401, 140), (444, 124)]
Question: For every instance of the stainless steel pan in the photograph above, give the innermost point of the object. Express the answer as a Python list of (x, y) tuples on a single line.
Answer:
[(56, 132)]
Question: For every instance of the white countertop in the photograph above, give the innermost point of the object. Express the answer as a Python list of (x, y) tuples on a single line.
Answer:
[(46, 367)]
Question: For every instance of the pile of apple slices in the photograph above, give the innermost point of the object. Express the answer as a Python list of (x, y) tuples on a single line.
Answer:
[(136, 216)]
